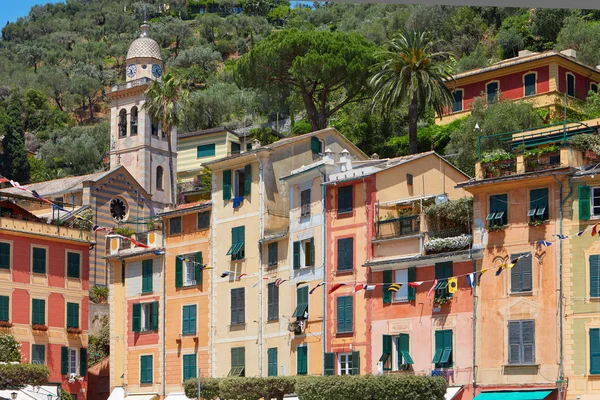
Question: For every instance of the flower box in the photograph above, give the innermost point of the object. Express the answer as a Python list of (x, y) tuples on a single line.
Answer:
[(500, 168), (444, 245), (6, 324), (74, 331), (39, 327), (72, 378)]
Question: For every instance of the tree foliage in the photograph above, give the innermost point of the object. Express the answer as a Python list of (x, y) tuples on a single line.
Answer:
[(14, 159), (20, 375), (10, 348), (99, 345)]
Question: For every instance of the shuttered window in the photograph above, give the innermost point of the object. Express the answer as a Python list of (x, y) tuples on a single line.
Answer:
[(403, 345), (305, 203), (247, 180), (345, 254), (387, 280), (4, 308), (521, 342), (72, 315), (386, 354), (272, 361), (188, 323), (175, 226), (458, 100), (595, 351), (205, 150), (443, 349), (238, 306), (570, 85), (315, 145), (238, 361), (584, 202), (344, 201), (39, 260), (235, 148), (594, 275), (189, 367), (443, 271), (238, 237), (355, 363), (273, 302), (227, 184), (38, 312), (538, 205), (345, 314), (412, 277), (203, 220), (595, 201), (492, 92), (38, 354), (136, 317), (74, 265), (521, 274), (301, 303), (329, 364), (273, 250), (302, 360), (82, 361), (498, 215), (529, 84), (296, 255), (147, 276), (4, 255), (146, 369)]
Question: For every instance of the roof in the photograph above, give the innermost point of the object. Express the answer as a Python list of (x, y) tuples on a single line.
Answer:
[(144, 47), (205, 132), (274, 236), (185, 208), (303, 169), (474, 182), (134, 252), (515, 395), (57, 186), (420, 259)]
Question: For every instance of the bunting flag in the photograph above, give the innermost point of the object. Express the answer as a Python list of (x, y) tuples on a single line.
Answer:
[(4, 180), (279, 281), (500, 268), (359, 287), (369, 287), (471, 279), (394, 287), (594, 229), (335, 287), (577, 234), (546, 243), (483, 271), (139, 244), (240, 277), (435, 282), (415, 284), (159, 252), (452, 284), (301, 283), (225, 274), (206, 267), (561, 237), (318, 285)]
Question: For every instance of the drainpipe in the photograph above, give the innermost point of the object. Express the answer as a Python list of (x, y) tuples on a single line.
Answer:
[(324, 255), (474, 367), (560, 381), (260, 267), (164, 316)]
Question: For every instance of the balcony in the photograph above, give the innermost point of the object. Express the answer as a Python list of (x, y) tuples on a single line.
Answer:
[(22, 224), (398, 227), (131, 84)]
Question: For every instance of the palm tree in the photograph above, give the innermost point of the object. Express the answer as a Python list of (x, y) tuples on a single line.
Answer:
[(164, 101), (412, 72)]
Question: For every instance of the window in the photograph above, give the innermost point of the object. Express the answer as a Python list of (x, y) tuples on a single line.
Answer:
[(38, 312), (237, 250), (345, 254), (570, 84), (403, 359), (146, 369), (205, 150), (316, 145), (538, 205), (147, 276), (248, 146), (272, 361), (594, 87), (242, 181), (443, 349), (302, 360), (345, 364), (402, 293), (273, 257), (4, 308), (122, 123), (498, 215), (304, 253), (492, 91), (529, 81), (345, 199), (73, 361), (39, 260), (73, 265), (443, 271), (72, 315), (189, 366), (272, 302), (238, 306), (595, 201), (226, 184), (595, 351), (301, 310), (345, 314), (238, 361), (235, 148), (305, 203), (521, 274), (175, 226), (386, 354), (4, 255), (159, 178), (154, 129), (458, 100), (38, 354), (521, 342), (204, 220), (134, 122), (188, 323), (594, 276), (193, 264), (144, 317)]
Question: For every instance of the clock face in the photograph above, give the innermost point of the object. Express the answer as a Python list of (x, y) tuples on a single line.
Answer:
[(118, 209), (156, 70), (131, 70)]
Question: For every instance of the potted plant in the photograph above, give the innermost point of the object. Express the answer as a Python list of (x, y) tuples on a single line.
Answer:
[(441, 300), (71, 378), (495, 228), (588, 144), (497, 163), (39, 327), (74, 331), (6, 324), (536, 222)]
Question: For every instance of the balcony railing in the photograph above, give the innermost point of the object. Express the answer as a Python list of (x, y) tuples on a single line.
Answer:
[(398, 227), (131, 84)]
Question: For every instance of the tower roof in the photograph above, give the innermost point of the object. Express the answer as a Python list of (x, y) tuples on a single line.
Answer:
[(144, 46)]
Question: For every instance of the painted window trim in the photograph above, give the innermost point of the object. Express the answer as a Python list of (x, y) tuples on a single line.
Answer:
[(160, 184), (592, 190), (67, 251), (462, 102), (497, 90), (535, 84), (339, 363), (567, 84), (46, 265)]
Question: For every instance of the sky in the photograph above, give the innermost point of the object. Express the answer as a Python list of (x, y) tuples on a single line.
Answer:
[(13, 9)]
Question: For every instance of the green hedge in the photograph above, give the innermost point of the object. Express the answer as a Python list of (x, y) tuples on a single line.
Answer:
[(364, 387), (20, 375)]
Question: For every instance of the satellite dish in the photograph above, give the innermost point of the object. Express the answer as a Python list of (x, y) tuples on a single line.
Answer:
[(441, 198)]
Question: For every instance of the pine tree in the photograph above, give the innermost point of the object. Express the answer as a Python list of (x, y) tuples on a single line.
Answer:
[(14, 159)]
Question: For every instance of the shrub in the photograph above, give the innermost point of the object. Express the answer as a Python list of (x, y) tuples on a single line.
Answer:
[(496, 155), (449, 215), (301, 127), (9, 348), (443, 245), (98, 294), (210, 388), (585, 141), (256, 388), (19, 375)]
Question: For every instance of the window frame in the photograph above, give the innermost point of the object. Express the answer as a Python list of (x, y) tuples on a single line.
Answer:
[(237, 251), (305, 204), (187, 376), (454, 102), (147, 380), (239, 177), (398, 296), (272, 357), (33, 259), (133, 121), (147, 280), (591, 89), (7, 299), (440, 352), (594, 292), (305, 351), (192, 330), (299, 259), (206, 148), (272, 254), (70, 274), (33, 312), (592, 207), (347, 370), (534, 209), (339, 246), (487, 93), (398, 355), (567, 74), (238, 313), (348, 190), (204, 214), (493, 215), (535, 81), (189, 269), (521, 273), (521, 343), (173, 232), (68, 310), (272, 302), (592, 354), (71, 351), (345, 328), (160, 184), (36, 345), (302, 307), (6, 257), (237, 368)]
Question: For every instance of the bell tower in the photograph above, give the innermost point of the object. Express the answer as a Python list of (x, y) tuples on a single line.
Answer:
[(135, 141)]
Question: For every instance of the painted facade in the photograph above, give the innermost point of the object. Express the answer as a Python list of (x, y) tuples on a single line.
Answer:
[(44, 282)]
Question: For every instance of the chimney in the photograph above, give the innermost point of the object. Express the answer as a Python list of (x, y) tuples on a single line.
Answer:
[(374, 156), (523, 53), (346, 161), (569, 53), (328, 157)]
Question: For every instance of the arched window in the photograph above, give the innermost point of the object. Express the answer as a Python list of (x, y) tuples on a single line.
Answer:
[(492, 91), (159, 178), (133, 130), (122, 123)]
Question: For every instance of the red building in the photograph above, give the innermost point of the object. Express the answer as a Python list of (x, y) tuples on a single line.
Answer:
[(44, 293), (540, 78)]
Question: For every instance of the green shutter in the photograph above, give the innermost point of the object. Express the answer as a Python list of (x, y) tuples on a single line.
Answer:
[(594, 276), (439, 346), (329, 364), (412, 277), (247, 179), (227, 184), (404, 348), (72, 315), (136, 319), (154, 315), (315, 145), (146, 276), (4, 255), (198, 268), (64, 360), (146, 369), (341, 314), (302, 360), (595, 351), (82, 361), (584, 203), (73, 265), (178, 272), (272, 361), (387, 351), (189, 366), (356, 363), (38, 312), (4, 307), (39, 260), (387, 280), (205, 150), (296, 255)]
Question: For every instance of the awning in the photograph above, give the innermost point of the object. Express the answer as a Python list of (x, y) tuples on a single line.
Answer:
[(30, 393), (515, 395), (141, 396), (176, 396), (452, 391)]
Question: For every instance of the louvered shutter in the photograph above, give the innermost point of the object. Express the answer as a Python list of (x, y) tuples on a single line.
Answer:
[(136, 318), (5, 255), (329, 361), (595, 351), (247, 179), (515, 278), (82, 361), (296, 255), (387, 280), (349, 314), (584, 203), (64, 360), (526, 272), (341, 317), (594, 276), (528, 338), (312, 251), (4, 308), (178, 272), (272, 361), (411, 277), (154, 315), (439, 347), (227, 184), (198, 268), (315, 145), (355, 363), (514, 342), (192, 318)]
